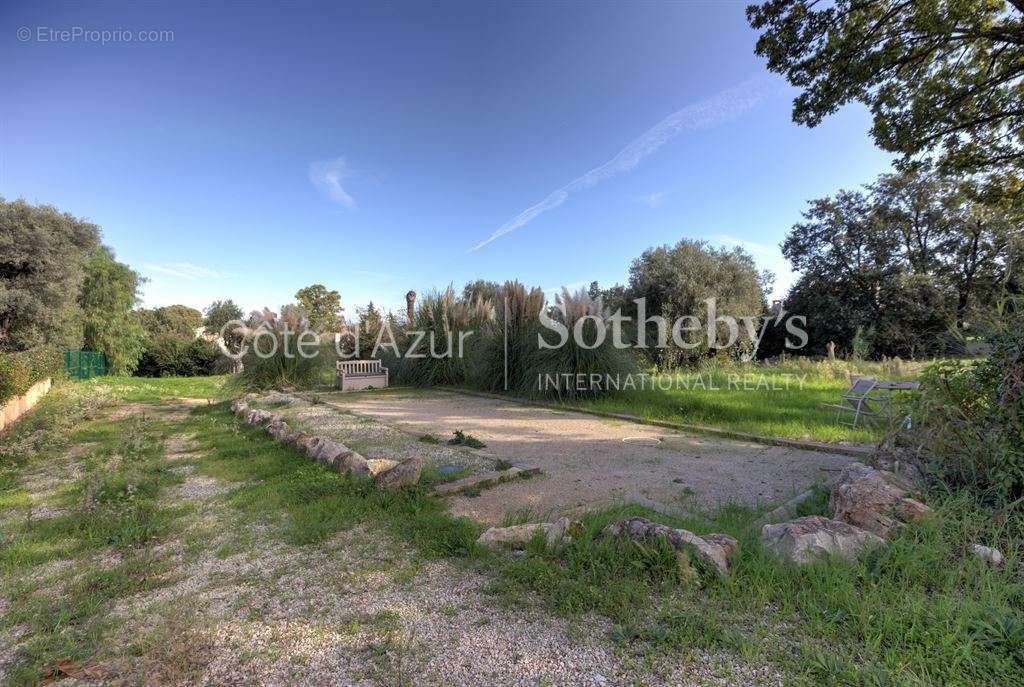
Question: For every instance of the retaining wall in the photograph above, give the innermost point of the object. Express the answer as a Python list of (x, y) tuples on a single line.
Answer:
[(19, 405)]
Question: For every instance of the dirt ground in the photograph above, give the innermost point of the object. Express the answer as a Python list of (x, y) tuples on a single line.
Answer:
[(588, 461)]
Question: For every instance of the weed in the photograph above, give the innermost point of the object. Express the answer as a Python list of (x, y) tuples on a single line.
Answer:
[(463, 439)]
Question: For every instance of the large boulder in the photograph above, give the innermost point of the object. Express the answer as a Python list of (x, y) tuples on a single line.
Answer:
[(258, 417), (814, 536), (405, 474), (716, 551), (517, 537), (874, 500), (239, 406)]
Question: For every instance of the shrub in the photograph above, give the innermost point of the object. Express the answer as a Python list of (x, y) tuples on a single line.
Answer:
[(168, 355), (273, 359), (22, 369), (968, 424)]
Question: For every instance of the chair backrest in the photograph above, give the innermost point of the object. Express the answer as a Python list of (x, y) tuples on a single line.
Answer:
[(862, 386), (359, 367)]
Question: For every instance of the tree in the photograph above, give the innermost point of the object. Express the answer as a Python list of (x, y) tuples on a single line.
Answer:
[(480, 289), (42, 258), (323, 307), (109, 293), (218, 314), (179, 321), (914, 257), (370, 323), (944, 76), (675, 281)]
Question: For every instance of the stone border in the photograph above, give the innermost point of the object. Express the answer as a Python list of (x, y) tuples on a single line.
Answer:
[(840, 449), (15, 407), (386, 474)]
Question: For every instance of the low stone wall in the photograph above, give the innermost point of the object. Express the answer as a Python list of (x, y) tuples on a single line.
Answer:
[(19, 405), (386, 474)]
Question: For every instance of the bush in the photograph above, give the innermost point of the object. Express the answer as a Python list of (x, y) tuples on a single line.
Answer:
[(273, 361), (22, 369), (968, 424), (167, 355)]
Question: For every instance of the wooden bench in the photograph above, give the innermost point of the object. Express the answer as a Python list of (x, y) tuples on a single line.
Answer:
[(354, 375)]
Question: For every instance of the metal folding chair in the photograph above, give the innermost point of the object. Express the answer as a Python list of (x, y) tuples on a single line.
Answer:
[(859, 402)]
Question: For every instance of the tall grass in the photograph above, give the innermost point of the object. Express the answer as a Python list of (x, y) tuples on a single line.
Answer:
[(501, 350)]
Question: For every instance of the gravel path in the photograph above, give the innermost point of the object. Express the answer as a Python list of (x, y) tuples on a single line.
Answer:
[(589, 461)]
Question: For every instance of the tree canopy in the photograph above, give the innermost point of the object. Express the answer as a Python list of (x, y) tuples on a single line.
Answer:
[(912, 258), (110, 291), (42, 267), (219, 313), (323, 307), (180, 321), (943, 76)]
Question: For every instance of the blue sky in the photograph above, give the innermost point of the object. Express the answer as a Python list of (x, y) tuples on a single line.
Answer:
[(377, 148)]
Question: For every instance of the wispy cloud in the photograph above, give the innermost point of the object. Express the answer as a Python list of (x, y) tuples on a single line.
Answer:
[(652, 200), (720, 108), (327, 177), (767, 257), (185, 270)]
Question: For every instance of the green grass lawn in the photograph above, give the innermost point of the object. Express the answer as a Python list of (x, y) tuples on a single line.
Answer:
[(774, 401)]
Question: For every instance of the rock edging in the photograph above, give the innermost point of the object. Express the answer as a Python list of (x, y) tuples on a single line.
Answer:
[(387, 474)]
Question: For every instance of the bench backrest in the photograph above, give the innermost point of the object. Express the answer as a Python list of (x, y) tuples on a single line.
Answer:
[(360, 367)]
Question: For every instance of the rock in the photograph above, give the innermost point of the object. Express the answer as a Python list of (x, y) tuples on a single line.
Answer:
[(517, 537), (805, 539), (257, 417), (327, 451), (874, 500), (714, 550), (278, 429), (379, 465), (238, 406), (988, 554), (786, 510), (301, 441), (314, 446), (405, 474), (353, 464)]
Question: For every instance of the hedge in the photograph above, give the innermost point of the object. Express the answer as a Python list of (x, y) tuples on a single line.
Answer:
[(21, 369)]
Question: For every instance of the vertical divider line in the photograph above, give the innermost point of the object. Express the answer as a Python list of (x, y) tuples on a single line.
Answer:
[(506, 343)]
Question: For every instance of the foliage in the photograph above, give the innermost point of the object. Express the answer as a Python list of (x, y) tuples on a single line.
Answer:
[(20, 370), (168, 355), (943, 76), (677, 280), (278, 356), (323, 307), (460, 438), (370, 324), (481, 289), (177, 320), (42, 267), (968, 426), (218, 314), (109, 293), (916, 255)]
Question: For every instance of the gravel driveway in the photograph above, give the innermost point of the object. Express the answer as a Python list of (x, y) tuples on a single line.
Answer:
[(590, 461)]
